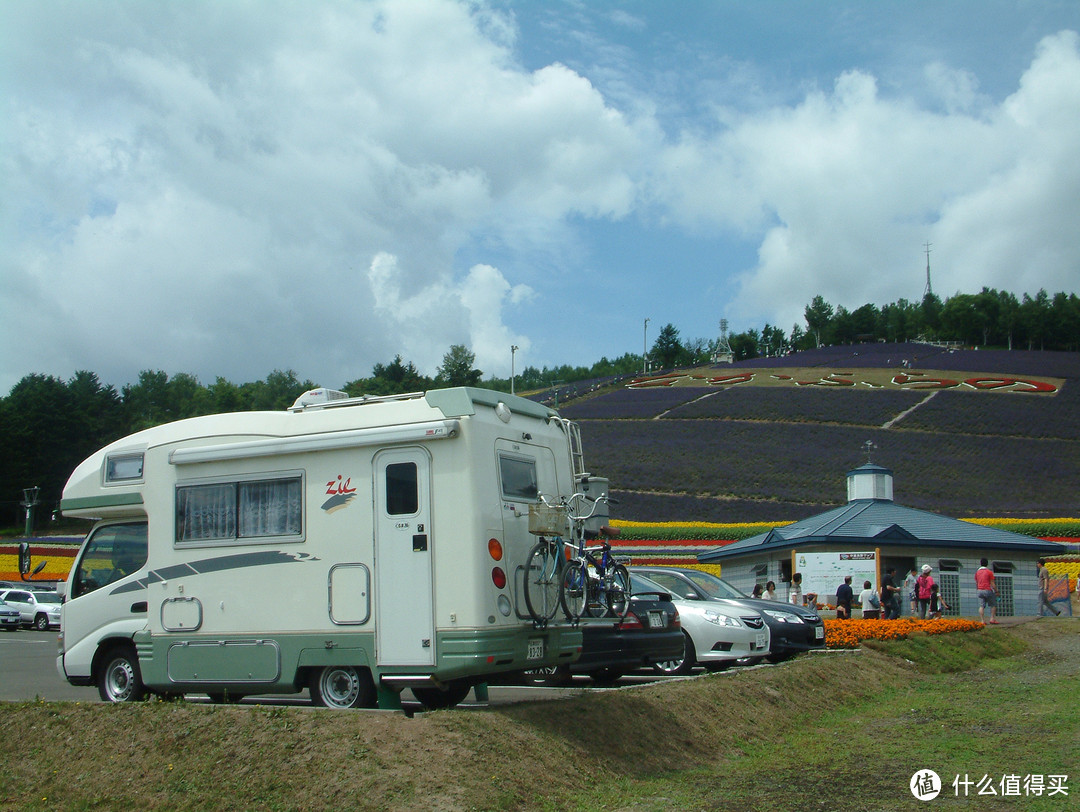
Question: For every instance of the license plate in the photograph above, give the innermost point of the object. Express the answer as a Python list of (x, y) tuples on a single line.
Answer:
[(819, 633), (536, 649), (760, 641), (656, 620)]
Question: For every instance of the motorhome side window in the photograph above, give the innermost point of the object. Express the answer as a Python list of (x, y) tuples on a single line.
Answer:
[(233, 511), (113, 552), (402, 494), (518, 478)]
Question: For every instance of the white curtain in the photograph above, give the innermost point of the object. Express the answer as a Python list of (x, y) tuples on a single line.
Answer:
[(270, 508), (206, 512)]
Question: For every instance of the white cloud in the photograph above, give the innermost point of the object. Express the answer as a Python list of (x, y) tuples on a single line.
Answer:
[(843, 189), (445, 312), (207, 201)]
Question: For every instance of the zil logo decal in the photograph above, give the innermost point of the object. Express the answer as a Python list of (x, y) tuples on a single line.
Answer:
[(341, 493)]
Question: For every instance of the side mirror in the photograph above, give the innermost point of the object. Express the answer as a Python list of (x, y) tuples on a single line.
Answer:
[(24, 563)]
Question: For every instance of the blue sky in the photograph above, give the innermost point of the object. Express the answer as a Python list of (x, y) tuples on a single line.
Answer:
[(228, 188)]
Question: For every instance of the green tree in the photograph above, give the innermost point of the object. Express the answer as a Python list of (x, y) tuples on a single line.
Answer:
[(667, 350), (818, 315), (745, 345), (457, 368)]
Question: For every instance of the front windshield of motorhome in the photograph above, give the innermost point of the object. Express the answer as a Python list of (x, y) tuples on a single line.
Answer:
[(112, 552)]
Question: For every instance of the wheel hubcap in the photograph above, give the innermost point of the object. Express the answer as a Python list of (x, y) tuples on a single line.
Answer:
[(340, 687)]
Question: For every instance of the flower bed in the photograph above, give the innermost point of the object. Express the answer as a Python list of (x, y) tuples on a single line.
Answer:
[(689, 531), (850, 633)]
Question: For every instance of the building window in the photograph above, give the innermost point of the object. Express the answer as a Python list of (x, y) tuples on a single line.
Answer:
[(949, 589), (1003, 580)]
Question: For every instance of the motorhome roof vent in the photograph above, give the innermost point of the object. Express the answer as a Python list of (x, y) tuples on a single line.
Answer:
[(320, 395)]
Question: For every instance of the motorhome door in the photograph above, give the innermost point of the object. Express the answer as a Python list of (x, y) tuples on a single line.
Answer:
[(404, 623)]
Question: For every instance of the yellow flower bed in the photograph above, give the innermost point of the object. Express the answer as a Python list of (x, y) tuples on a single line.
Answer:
[(1065, 569), (850, 633)]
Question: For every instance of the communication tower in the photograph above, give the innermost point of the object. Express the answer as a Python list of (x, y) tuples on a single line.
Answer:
[(929, 289), (724, 354)]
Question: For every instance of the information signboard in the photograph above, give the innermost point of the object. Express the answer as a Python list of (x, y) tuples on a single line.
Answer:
[(822, 573)]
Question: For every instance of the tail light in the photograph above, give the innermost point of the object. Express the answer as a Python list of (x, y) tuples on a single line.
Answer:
[(498, 577), (495, 549), (631, 622)]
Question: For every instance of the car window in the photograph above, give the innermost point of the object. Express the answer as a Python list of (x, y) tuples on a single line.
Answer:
[(713, 586), (671, 583), (48, 597), (20, 597)]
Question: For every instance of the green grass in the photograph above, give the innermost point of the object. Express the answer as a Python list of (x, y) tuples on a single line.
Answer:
[(835, 731)]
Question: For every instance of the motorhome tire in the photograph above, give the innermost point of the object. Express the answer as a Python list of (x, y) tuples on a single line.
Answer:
[(342, 687), (118, 677), (440, 699)]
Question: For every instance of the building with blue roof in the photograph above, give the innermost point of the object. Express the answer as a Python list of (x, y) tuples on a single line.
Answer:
[(902, 538)]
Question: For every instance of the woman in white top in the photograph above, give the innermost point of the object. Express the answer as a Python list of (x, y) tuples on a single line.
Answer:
[(871, 603)]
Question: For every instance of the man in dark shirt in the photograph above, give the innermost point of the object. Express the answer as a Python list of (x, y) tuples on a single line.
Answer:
[(890, 596), (843, 599)]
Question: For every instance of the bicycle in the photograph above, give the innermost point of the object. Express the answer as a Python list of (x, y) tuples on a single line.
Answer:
[(596, 585), (569, 574)]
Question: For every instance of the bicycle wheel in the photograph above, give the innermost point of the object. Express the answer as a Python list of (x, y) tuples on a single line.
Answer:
[(543, 579), (574, 590), (595, 597), (619, 591)]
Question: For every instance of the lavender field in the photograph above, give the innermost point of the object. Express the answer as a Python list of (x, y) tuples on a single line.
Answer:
[(776, 454)]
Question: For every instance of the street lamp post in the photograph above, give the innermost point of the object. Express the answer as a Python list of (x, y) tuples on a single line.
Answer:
[(645, 348), (513, 350), (30, 501)]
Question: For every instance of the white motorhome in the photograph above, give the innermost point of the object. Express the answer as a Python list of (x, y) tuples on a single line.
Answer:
[(350, 546)]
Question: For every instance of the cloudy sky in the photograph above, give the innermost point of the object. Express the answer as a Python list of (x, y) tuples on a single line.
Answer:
[(227, 188)]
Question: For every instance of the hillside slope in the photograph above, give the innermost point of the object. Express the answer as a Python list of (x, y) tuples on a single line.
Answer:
[(969, 434)]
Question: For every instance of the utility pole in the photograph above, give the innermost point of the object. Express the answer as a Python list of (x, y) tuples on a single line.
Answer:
[(645, 348), (513, 349)]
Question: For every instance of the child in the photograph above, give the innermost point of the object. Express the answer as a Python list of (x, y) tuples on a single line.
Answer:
[(937, 603)]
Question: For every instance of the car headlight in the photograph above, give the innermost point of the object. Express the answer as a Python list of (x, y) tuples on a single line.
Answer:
[(721, 620), (783, 617)]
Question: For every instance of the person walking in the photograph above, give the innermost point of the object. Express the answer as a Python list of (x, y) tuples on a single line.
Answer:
[(844, 595), (770, 591), (924, 587), (909, 590), (757, 593), (871, 603), (890, 596), (986, 589), (1044, 589), (937, 603), (795, 593)]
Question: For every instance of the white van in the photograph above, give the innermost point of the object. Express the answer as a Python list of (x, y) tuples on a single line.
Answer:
[(350, 546)]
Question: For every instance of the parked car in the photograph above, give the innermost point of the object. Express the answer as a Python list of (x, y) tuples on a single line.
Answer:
[(10, 617), (792, 628), (715, 635), (650, 633), (38, 609)]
